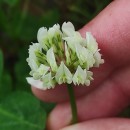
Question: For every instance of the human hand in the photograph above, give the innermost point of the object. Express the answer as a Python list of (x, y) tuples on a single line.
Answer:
[(110, 91)]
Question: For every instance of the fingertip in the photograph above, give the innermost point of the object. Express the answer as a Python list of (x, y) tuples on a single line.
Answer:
[(101, 124), (59, 117)]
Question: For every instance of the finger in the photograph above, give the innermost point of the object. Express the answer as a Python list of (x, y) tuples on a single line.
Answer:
[(107, 100), (58, 94), (112, 31), (102, 124), (113, 37)]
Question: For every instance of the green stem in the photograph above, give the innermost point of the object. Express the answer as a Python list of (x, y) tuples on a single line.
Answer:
[(73, 104)]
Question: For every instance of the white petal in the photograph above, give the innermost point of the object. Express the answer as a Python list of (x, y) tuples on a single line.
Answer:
[(35, 83), (67, 54), (32, 48), (47, 81), (78, 37), (42, 70), (84, 56), (80, 54), (63, 75), (89, 75), (88, 78), (68, 25), (59, 74), (87, 82), (51, 59), (91, 42), (70, 42), (90, 59), (68, 28), (53, 31), (79, 76), (32, 63), (42, 34), (67, 74), (32, 58), (98, 60)]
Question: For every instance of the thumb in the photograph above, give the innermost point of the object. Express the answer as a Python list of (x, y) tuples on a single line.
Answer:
[(102, 124)]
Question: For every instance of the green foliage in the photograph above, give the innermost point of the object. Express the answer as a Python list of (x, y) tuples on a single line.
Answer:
[(5, 80), (22, 111), (21, 68), (11, 2), (19, 22), (1, 64), (47, 106), (5, 85)]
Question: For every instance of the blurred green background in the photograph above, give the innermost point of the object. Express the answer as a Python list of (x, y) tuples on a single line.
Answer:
[(19, 22)]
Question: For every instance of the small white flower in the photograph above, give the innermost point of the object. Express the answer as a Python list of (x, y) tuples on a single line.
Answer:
[(85, 56), (68, 29), (91, 42), (47, 38), (89, 77), (54, 37), (72, 41), (35, 83), (63, 75), (67, 54), (79, 76), (41, 71), (42, 36), (98, 60), (48, 81), (32, 60), (40, 84), (51, 59), (32, 63), (53, 31)]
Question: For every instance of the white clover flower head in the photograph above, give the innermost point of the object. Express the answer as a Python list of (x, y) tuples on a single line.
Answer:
[(62, 56)]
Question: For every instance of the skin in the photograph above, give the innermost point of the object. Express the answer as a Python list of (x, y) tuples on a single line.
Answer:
[(109, 94)]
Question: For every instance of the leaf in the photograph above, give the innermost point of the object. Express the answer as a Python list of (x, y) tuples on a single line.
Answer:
[(3, 19), (1, 64), (22, 70), (47, 106), (11, 2), (5, 85), (21, 111)]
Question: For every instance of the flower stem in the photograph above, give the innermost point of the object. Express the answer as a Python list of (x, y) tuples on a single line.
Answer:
[(73, 104)]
